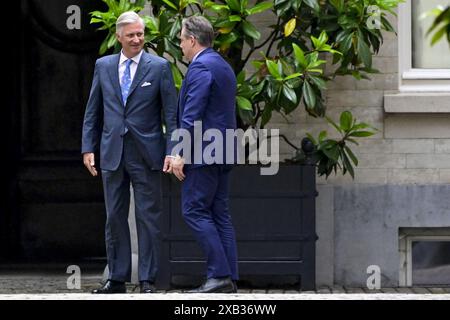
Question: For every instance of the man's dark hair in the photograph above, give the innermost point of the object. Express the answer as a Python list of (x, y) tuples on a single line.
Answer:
[(199, 28)]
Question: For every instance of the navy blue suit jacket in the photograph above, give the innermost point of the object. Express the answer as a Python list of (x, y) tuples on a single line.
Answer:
[(106, 117), (208, 94)]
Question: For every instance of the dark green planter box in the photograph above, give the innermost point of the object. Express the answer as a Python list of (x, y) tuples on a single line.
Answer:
[(274, 218)]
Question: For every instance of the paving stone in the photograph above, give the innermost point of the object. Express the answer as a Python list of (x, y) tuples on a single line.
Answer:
[(30, 285), (437, 290), (218, 296), (275, 291), (323, 290), (295, 291), (404, 290), (388, 290), (244, 290), (353, 290), (367, 290), (420, 290), (258, 291), (337, 289)]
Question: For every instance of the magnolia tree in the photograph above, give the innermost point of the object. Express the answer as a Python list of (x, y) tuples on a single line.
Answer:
[(289, 71)]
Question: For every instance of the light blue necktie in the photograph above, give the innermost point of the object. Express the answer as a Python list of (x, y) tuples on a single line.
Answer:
[(126, 81)]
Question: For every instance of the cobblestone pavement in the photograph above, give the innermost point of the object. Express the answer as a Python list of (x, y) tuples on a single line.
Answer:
[(246, 296), (41, 284)]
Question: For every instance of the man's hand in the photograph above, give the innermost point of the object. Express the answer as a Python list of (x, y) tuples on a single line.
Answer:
[(89, 163), (177, 165), (167, 168)]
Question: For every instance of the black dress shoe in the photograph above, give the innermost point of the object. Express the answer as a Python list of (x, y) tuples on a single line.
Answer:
[(147, 287), (235, 288), (215, 285), (111, 286)]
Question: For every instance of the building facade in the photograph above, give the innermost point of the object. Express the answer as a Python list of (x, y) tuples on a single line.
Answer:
[(394, 217)]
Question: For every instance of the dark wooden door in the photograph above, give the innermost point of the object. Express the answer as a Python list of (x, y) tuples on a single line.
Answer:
[(55, 209)]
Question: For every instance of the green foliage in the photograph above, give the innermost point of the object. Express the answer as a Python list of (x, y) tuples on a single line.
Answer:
[(108, 20), (290, 70), (331, 154), (441, 24)]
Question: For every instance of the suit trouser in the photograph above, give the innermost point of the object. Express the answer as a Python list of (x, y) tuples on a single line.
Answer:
[(147, 196), (205, 209)]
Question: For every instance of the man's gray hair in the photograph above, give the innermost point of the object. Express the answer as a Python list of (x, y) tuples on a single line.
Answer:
[(200, 28), (127, 18)]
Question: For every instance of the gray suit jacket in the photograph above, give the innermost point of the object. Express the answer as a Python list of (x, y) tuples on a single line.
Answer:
[(106, 117)]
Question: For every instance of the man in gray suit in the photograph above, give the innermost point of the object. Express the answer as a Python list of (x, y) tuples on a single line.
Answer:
[(130, 92)]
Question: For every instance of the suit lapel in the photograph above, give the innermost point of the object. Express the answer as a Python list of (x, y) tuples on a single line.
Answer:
[(114, 75), (142, 69)]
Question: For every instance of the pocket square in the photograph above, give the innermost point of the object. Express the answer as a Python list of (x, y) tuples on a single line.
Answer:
[(145, 84)]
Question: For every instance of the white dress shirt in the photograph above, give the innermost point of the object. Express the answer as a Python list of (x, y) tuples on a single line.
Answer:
[(133, 66)]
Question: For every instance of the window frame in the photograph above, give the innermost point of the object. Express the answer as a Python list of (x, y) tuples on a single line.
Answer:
[(416, 79)]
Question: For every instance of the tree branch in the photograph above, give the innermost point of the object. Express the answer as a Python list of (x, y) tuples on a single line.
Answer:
[(285, 140), (258, 47), (274, 38)]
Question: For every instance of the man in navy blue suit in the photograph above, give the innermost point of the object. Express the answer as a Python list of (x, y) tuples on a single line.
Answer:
[(129, 92), (207, 97)]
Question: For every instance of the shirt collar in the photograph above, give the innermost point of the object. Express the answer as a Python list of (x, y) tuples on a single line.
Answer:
[(136, 58), (195, 57)]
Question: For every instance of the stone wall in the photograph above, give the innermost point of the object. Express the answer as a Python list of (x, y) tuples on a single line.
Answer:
[(401, 179)]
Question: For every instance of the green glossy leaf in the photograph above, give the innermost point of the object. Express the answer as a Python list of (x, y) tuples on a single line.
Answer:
[(175, 29), (314, 4), (330, 121), (299, 55), (103, 47), (244, 103), (219, 7), (273, 69), (112, 40), (438, 35), (346, 43), (266, 116), (177, 77), (234, 18), (250, 30), (346, 120), (234, 5), (309, 95), (293, 76), (347, 165), (170, 4), (322, 135), (227, 38), (364, 52), (338, 4), (351, 155), (362, 134), (290, 94), (240, 78), (280, 67), (260, 7), (244, 4), (331, 152), (319, 82)]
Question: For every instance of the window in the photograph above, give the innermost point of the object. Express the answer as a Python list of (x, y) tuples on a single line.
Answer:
[(424, 256), (422, 67)]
